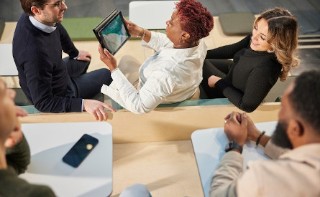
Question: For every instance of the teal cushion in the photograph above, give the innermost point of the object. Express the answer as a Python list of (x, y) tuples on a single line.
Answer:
[(199, 102), (21, 99), (30, 109)]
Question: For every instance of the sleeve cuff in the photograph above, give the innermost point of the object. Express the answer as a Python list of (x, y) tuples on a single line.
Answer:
[(273, 151), (222, 84), (82, 109)]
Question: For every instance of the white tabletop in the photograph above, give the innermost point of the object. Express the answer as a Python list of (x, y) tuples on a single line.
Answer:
[(140, 13), (209, 145), (7, 65), (49, 142)]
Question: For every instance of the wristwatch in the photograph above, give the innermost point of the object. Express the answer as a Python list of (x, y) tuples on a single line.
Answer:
[(232, 145)]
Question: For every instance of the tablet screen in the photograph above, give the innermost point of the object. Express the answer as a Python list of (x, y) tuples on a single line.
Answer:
[(114, 34)]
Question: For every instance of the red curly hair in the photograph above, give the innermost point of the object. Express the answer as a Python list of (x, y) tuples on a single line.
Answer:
[(194, 19)]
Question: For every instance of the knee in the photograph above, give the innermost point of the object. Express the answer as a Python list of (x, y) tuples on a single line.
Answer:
[(105, 72), (104, 75), (136, 190), (127, 58), (128, 62)]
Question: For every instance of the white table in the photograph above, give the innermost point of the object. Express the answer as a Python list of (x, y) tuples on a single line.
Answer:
[(7, 65), (151, 14), (50, 141), (209, 145)]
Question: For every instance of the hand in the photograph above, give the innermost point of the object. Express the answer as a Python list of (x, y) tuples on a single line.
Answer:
[(84, 56), (253, 132), (16, 135), (107, 58), (21, 112), (236, 130), (134, 29), (235, 115), (212, 80), (97, 109)]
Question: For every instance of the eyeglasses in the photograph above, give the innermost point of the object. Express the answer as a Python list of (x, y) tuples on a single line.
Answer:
[(57, 4)]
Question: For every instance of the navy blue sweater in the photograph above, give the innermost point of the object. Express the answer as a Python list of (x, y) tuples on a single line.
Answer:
[(43, 75)]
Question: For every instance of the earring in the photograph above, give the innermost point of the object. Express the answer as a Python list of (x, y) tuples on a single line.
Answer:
[(181, 41)]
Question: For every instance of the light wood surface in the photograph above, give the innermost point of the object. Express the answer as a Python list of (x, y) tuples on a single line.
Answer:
[(162, 156), (162, 124), (166, 168)]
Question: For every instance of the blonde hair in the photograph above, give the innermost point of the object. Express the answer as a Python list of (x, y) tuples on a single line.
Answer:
[(282, 37)]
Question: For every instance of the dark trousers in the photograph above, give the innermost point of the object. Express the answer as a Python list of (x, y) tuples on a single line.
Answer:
[(217, 67), (86, 85)]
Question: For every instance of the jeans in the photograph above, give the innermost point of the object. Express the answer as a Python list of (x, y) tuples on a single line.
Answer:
[(86, 85)]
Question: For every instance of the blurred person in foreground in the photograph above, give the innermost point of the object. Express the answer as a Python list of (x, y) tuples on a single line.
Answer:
[(14, 150), (294, 147)]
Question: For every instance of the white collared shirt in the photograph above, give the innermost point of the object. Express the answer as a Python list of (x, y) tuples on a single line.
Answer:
[(41, 26), (170, 75)]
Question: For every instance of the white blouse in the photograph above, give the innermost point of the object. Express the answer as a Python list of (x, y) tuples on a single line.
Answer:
[(170, 75)]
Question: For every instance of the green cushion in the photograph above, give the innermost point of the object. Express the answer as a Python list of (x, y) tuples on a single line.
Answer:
[(80, 29), (2, 24), (237, 23)]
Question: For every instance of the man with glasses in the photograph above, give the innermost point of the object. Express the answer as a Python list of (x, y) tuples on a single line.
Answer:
[(51, 83)]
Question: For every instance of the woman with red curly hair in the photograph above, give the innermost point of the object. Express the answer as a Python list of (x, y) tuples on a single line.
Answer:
[(173, 73)]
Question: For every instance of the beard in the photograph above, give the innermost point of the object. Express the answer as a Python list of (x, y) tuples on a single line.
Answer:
[(280, 136)]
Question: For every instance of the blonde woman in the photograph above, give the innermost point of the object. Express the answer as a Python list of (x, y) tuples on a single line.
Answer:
[(258, 61)]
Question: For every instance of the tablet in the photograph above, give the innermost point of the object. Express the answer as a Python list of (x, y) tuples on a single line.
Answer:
[(112, 32)]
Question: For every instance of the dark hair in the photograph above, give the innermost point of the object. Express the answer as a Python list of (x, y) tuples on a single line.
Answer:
[(283, 37), (305, 98), (194, 19), (27, 4)]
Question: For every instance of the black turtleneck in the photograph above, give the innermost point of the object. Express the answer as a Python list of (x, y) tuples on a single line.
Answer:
[(250, 75)]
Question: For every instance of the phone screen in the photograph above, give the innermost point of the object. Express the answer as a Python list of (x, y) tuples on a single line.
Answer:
[(80, 150)]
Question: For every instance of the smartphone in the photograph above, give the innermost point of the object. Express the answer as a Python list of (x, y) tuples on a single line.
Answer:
[(80, 150)]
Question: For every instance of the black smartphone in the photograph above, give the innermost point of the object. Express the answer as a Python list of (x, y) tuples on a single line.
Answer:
[(80, 150)]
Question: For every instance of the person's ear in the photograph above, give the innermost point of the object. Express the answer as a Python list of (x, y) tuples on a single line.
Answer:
[(185, 36), (35, 10), (295, 130)]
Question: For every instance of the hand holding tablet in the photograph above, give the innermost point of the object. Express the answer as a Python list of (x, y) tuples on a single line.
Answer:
[(112, 32)]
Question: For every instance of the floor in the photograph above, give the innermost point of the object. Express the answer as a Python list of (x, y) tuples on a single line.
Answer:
[(307, 11)]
